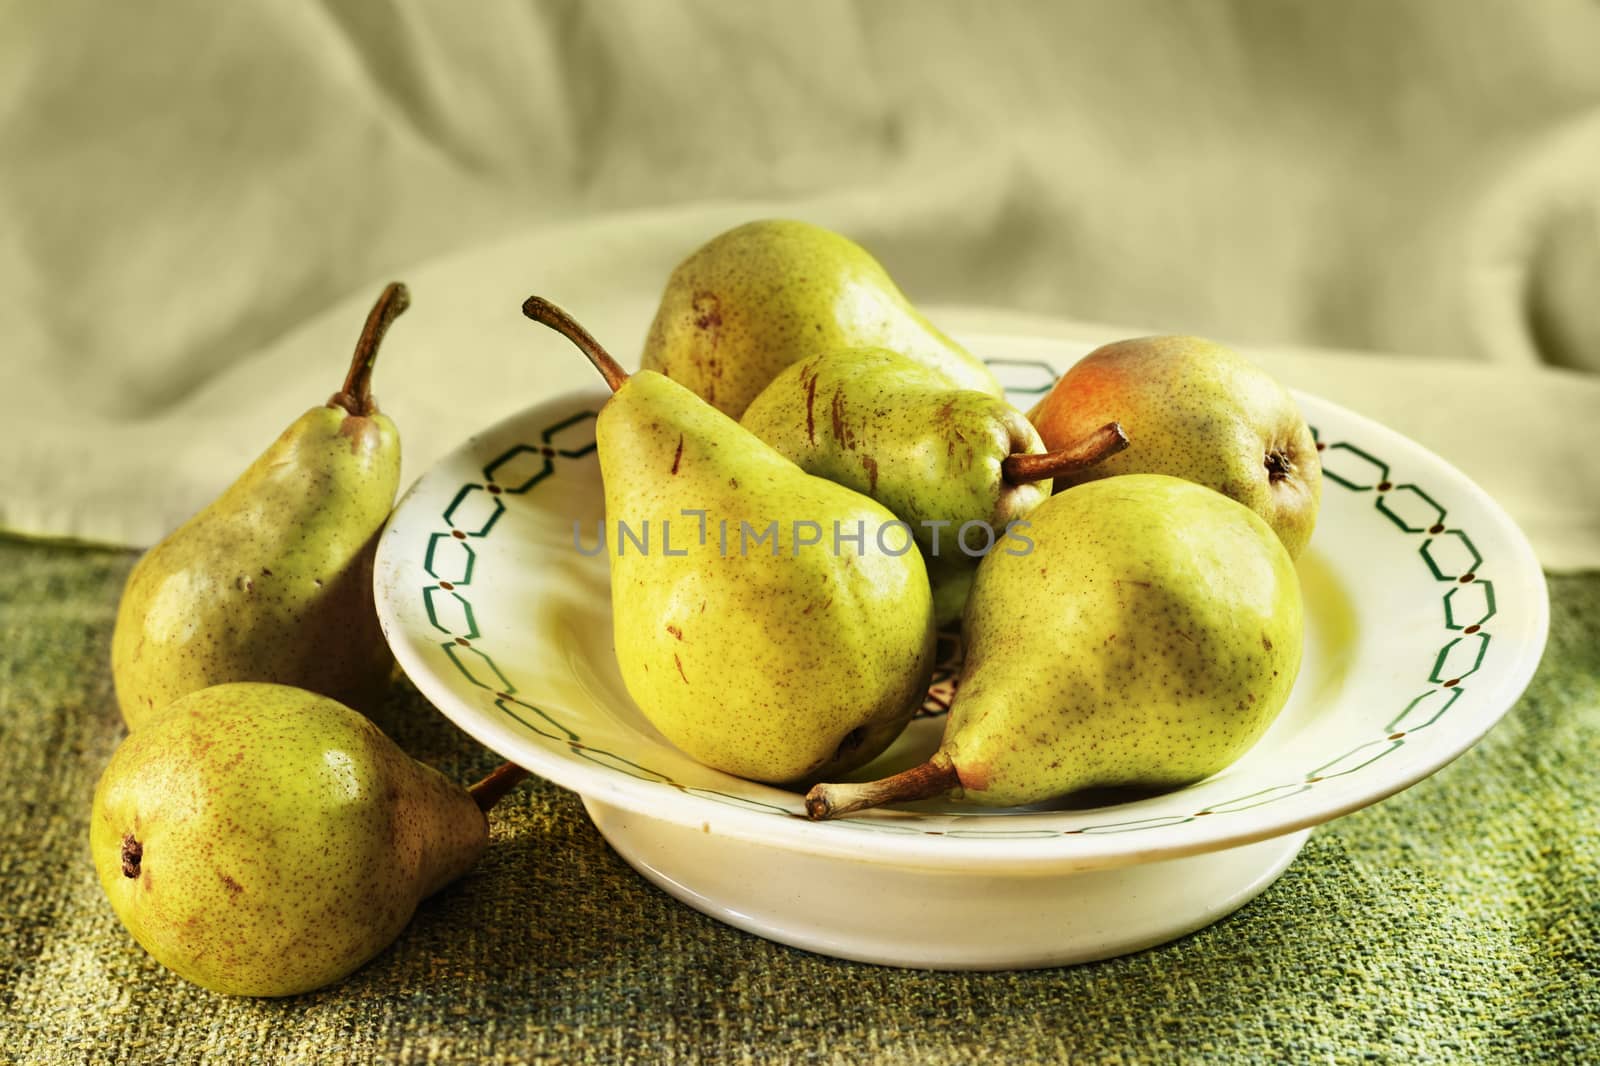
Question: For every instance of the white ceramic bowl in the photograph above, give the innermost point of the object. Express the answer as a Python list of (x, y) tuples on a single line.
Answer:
[(1426, 615)]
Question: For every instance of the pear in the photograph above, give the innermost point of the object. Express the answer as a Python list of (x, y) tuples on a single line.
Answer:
[(1194, 410), (263, 840), (951, 578), (958, 466), (762, 295), (762, 624), (1148, 640), (272, 581)]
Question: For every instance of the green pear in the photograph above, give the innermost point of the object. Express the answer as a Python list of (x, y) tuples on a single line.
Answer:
[(272, 581), (748, 631), (951, 578), (760, 296), (1149, 638), (263, 840), (1195, 410), (957, 465)]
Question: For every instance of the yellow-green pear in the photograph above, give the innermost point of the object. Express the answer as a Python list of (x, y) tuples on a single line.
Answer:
[(1197, 410), (957, 465), (272, 581), (1148, 639), (263, 840), (760, 296), (771, 624)]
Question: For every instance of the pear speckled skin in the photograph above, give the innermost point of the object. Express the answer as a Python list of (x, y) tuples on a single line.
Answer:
[(759, 297), (263, 840), (879, 423), (1197, 410), (773, 668), (1150, 638), (272, 581)]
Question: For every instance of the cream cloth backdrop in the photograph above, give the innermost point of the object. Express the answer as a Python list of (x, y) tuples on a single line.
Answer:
[(1394, 205)]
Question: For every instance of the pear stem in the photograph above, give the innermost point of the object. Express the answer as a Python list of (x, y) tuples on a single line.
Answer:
[(548, 314), (1098, 446), (356, 396), (933, 778), (501, 780)]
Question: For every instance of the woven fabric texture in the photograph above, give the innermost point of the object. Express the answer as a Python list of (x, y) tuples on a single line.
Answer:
[(1456, 922)]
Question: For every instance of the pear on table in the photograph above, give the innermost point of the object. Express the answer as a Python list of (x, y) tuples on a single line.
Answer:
[(1197, 410), (747, 635), (760, 296), (263, 840), (272, 581), (1148, 640), (944, 459)]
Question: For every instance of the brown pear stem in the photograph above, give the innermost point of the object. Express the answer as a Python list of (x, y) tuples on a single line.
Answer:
[(548, 314), (933, 778), (1097, 447), (356, 396), (501, 780)]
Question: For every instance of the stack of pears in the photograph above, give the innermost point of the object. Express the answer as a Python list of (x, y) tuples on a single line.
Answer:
[(1120, 559), (254, 833)]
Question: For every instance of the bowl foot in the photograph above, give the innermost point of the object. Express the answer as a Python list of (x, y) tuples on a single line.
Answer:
[(936, 919)]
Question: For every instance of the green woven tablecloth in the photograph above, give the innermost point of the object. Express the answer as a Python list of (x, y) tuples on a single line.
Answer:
[(1456, 922)]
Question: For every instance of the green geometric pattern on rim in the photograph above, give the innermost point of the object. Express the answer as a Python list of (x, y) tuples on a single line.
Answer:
[(1448, 553), (1025, 377)]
